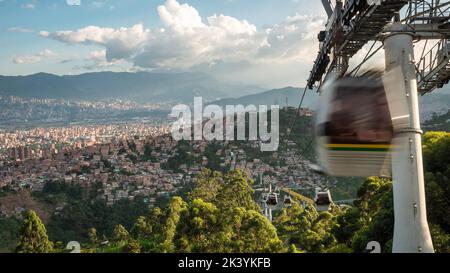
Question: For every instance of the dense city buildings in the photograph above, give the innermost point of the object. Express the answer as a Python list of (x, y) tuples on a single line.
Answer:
[(22, 113), (137, 159)]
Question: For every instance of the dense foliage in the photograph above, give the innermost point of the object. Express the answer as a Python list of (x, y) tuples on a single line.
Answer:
[(220, 215), (33, 238)]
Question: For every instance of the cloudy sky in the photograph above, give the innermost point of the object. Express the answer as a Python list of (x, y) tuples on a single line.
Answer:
[(271, 43)]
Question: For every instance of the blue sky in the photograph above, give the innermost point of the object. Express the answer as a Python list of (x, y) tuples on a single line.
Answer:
[(246, 40)]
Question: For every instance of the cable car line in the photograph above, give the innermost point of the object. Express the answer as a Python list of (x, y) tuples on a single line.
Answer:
[(353, 72), (369, 125), (291, 125), (366, 58)]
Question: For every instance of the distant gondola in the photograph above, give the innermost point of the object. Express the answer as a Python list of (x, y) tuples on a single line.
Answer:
[(323, 200), (287, 200), (272, 199)]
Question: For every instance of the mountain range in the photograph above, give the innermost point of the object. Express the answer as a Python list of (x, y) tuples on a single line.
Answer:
[(288, 96), (436, 102), (149, 87), (170, 88)]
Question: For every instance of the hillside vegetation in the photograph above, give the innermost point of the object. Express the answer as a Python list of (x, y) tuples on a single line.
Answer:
[(220, 215)]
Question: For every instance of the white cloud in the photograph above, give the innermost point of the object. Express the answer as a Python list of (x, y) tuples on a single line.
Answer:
[(186, 40), (44, 33), (19, 29), (295, 39), (97, 60), (119, 43), (28, 6), (73, 2), (36, 58), (99, 3), (180, 17)]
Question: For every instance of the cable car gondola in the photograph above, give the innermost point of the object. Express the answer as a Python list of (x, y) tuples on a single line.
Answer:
[(322, 200), (272, 199), (354, 129), (287, 201)]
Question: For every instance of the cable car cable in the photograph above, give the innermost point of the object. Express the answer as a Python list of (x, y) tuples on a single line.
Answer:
[(309, 145), (365, 60), (365, 57), (293, 122), (298, 112)]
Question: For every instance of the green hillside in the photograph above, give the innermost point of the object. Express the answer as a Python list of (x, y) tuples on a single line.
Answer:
[(220, 215)]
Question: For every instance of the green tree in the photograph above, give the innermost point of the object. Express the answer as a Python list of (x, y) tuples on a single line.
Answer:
[(93, 238), (120, 234), (132, 246), (252, 233), (204, 228), (379, 228), (293, 249), (347, 224), (340, 248), (199, 229), (9, 233), (154, 220), (371, 219), (33, 238), (176, 207), (141, 228), (436, 155), (151, 234), (207, 186), (236, 192), (441, 239), (308, 229)]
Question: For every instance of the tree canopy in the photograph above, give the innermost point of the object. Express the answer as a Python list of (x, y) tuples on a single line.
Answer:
[(33, 238), (220, 214)]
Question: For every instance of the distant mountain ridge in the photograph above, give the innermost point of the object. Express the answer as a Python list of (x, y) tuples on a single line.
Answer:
[(436, 102), (288, 96), (154, 87), (171, 88)]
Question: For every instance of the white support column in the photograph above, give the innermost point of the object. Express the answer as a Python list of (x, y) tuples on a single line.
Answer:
[(411, 232)]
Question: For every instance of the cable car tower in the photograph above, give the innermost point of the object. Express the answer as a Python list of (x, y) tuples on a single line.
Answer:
[(397, 24)]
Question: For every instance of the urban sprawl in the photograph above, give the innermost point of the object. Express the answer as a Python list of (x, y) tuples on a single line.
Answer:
[(129, 160)]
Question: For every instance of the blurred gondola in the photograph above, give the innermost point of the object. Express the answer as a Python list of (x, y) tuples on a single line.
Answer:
[(354, 128)]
